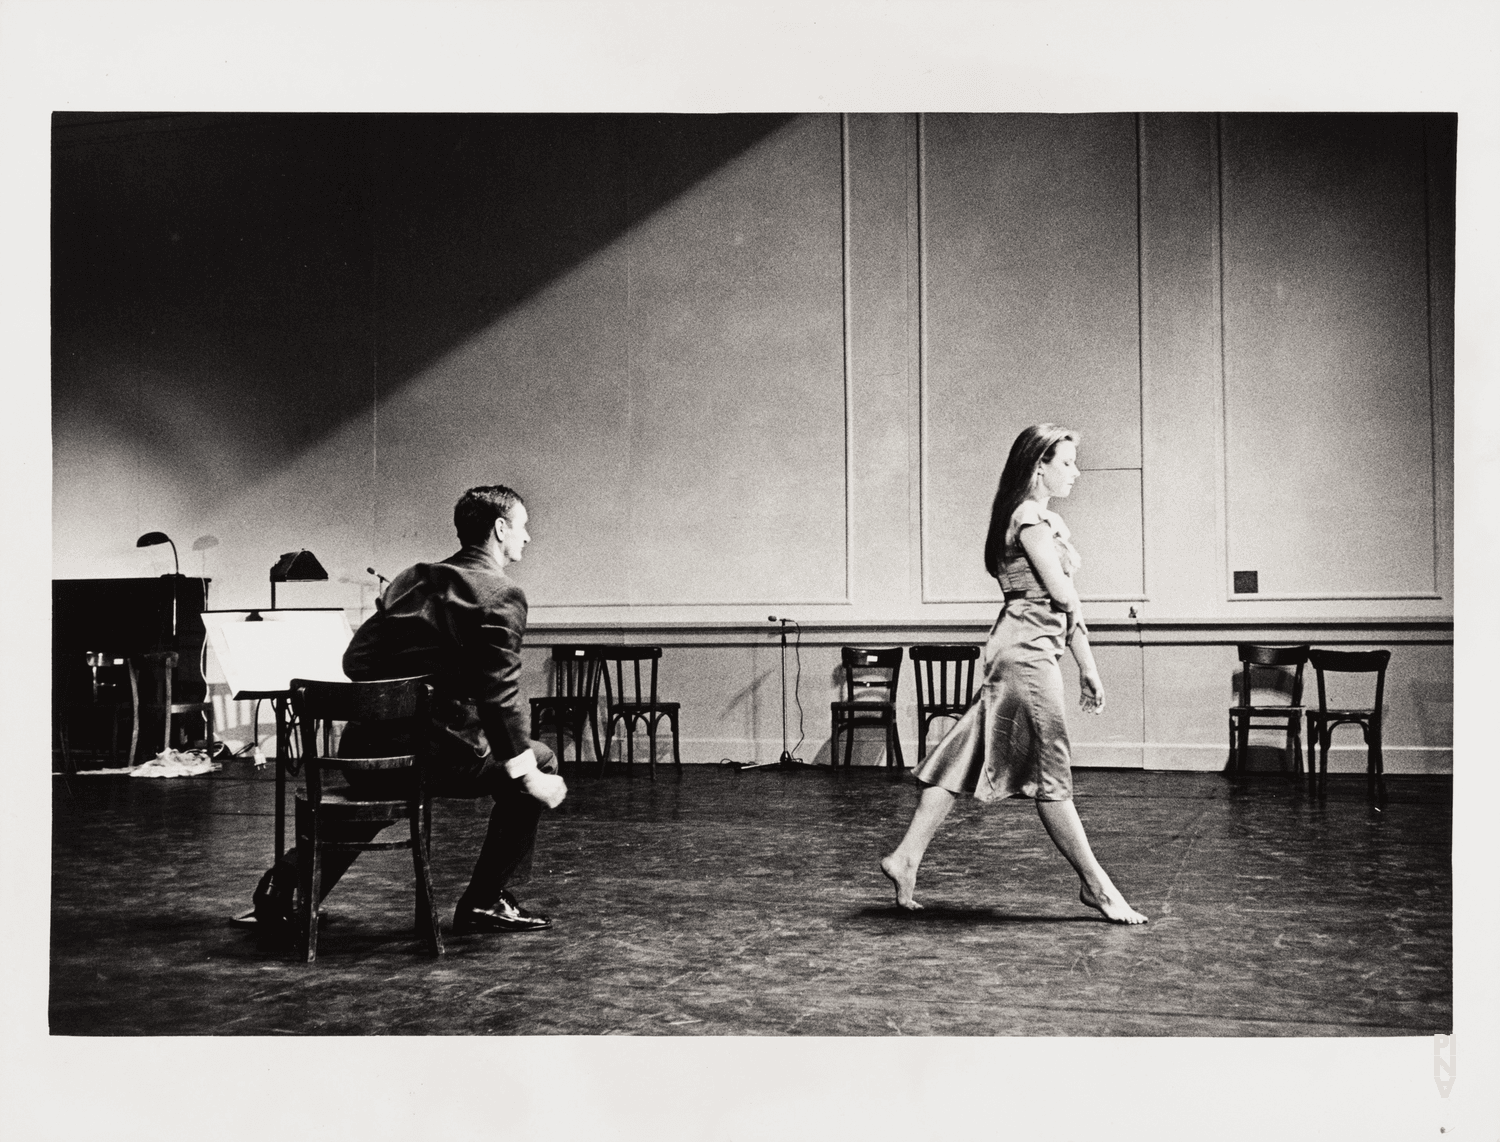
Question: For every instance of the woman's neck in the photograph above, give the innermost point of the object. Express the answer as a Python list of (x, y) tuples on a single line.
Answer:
[(1040, 499)]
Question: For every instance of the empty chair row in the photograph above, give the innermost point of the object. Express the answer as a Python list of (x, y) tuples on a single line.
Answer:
[(630, 701), (1280, 669), (946, 677)]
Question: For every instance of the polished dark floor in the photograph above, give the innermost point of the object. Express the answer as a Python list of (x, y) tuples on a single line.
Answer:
[(725, 903)]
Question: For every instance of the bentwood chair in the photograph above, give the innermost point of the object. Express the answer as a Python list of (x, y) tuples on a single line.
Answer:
[(380, 791), (935, 699), (161, 665), (1279, 669), (574, 702), (628, 702), (1322, 721), (871, 676), (84, 694)]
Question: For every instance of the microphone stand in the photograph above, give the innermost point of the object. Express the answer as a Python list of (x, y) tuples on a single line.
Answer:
[(786, 761)]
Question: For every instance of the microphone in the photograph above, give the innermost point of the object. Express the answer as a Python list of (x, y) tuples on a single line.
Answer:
[(384, 583), (774, 619)]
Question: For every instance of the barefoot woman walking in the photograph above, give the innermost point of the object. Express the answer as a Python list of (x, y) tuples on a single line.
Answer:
[(1014, 739)]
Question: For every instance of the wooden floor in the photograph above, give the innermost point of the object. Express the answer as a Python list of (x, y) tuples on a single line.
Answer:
[(722, 903)]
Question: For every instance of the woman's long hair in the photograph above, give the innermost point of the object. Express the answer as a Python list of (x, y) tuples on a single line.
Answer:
[(1034, 446)]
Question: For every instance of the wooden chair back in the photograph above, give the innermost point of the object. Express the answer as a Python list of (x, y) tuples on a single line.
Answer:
[(318, 705), (1351, 662), (575, 671), (1277, 658), (613, 661), (930, 665), (871, 674)]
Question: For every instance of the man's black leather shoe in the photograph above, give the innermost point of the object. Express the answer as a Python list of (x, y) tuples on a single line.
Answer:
[(505, 915)]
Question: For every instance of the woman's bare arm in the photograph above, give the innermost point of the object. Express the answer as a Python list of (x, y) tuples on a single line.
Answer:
[(1037, 540), (1092, 686)]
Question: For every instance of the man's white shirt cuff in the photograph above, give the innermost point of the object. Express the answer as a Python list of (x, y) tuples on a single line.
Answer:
[(521, 764)]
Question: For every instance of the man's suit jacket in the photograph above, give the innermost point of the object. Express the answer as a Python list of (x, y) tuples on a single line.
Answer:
[(460, 621)]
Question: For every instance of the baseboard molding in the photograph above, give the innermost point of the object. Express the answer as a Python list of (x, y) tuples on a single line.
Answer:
[(1206, 758), (1156, 756)]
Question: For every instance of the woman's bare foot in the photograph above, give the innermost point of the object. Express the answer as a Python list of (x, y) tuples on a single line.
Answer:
[(1111, 904), (903, 874)]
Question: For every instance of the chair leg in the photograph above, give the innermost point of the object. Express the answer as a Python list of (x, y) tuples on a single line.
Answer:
[(62, 744), (594, 727), (166, 711), (609, 738), (833, 745), (676, 750), (651, 724), (576, 729), (1377, 762), (135, 713), (427, 917), (629, 727), (896, 741), (310, 876)]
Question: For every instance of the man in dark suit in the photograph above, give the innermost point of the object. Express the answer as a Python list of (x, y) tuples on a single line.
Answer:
[(461, 622)]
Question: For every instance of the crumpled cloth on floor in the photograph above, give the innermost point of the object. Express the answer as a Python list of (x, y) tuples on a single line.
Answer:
[(168, 763), (176, 763)]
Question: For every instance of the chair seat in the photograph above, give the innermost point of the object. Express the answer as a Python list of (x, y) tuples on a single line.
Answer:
[(874, 707), (641, 707), (1353, 712), (339, 802), (946, 709), (582, 705), (1241, 711)]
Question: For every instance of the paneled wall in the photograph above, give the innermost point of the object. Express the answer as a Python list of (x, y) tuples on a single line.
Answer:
[(752, 364), (1031, 292), (1329, 419)]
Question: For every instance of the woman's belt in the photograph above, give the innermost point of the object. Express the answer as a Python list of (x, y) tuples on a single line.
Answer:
[(1073, 624)]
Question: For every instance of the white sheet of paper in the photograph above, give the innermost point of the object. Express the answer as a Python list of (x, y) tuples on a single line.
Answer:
[(267, 655)]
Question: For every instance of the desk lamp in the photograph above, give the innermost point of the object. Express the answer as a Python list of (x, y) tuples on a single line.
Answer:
[(154, 539), (296, 567)]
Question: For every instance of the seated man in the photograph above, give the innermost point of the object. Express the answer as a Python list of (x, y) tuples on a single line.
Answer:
[(461, 622)]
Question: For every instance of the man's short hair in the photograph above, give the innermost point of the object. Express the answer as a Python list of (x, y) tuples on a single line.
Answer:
[(478, 509)]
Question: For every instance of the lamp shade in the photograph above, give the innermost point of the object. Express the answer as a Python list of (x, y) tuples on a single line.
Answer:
[(153, 538), (298, 567)]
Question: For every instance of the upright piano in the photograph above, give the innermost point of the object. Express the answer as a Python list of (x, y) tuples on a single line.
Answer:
[(122, 619)]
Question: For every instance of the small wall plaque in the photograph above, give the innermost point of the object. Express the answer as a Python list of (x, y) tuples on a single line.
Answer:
[(1247, 582)]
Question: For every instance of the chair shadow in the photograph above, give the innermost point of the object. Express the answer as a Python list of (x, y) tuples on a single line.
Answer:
[(945, 914)]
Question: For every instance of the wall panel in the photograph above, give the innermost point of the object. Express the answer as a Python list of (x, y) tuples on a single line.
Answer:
[(1181, 387), (1030, 274), (737, 421), (673, 407), (1328, 388)]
